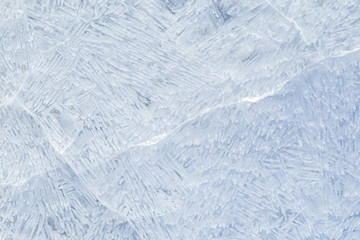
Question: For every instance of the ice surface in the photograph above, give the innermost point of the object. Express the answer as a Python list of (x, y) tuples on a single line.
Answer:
[(188, 119)]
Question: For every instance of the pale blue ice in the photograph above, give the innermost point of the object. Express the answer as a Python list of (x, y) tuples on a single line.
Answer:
[(188, 119)]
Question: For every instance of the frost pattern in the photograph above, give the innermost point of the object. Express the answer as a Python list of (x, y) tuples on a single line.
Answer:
[(179, 119)]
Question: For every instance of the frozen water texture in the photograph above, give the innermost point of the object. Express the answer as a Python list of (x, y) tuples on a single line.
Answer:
[(179, 119)]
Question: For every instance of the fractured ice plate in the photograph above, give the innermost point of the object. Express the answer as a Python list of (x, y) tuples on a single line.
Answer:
[(188, 119)]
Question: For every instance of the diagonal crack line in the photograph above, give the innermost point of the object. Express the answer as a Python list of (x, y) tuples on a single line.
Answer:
[(251, 100)]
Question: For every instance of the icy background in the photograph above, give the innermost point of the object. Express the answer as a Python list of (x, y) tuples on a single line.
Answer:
[(179, 119)]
